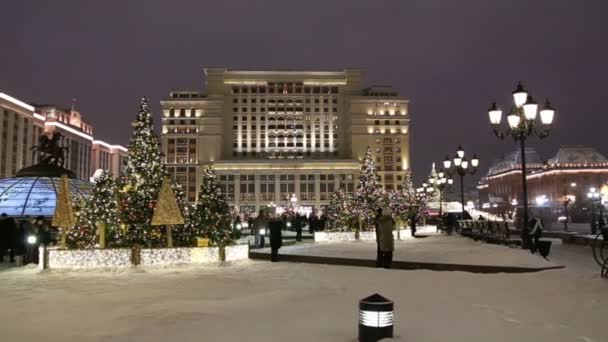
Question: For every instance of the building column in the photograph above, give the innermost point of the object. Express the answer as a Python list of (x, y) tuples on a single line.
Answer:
[(297, 187), (256, 186), (277, 188), (237, 189), (317, 190)]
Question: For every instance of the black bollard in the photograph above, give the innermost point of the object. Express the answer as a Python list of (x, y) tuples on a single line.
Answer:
[(376, 318)]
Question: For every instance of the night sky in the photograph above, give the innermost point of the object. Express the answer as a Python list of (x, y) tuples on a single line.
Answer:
[(450, 58)]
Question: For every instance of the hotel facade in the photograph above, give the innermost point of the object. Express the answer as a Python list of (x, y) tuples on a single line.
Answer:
[(22, 124), (278, 137)]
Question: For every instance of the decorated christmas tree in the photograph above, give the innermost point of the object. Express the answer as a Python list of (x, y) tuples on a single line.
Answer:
[(211, 214), (183, 234), (368, 196), (98, 223), (338, 212), (140, 182)]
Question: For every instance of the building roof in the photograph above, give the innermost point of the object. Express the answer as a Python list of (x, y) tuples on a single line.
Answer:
[(577, 155), (36, 196), (513, 161)]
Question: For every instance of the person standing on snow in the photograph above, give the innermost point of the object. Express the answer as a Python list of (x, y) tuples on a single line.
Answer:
[(386, 225)]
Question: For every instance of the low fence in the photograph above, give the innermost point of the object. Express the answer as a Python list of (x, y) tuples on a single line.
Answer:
[(124, 257)]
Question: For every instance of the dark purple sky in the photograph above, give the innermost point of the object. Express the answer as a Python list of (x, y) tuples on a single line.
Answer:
[(450, 58)]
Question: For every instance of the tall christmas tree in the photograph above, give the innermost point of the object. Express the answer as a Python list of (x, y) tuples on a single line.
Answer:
[(140, 182), (368, 196), (98, 220), (211, 214)]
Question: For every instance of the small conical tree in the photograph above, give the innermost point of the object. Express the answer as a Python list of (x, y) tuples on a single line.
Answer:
[(211, 215), (64, 217), (140, 181), (166, 211), (368, 196)]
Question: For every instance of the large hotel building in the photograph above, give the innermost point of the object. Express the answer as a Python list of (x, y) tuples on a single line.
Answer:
[(278, 136), (22, 124)]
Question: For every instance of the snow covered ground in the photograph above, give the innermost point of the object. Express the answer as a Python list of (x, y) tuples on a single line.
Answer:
[(262, 301), (435, 249)]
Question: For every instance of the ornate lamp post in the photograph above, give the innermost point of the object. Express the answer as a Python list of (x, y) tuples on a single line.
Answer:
[(567, 200), (440, 181), (596, 198), (460, 165), (522, 123)]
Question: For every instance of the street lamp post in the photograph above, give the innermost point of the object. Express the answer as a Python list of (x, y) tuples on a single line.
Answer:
[(460, 165), (567, 201), (596, 197), (440, 181), (523, 123)]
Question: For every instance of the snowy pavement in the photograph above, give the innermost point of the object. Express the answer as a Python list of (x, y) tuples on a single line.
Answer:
[(432, 249), (263, 301)]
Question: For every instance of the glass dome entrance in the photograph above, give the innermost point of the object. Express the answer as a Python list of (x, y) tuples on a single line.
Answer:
[(36, 196)]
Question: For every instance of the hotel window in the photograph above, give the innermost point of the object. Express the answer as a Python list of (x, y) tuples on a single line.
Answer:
[(171, 112), (182, 112), (287, 186), (227, 187), (247, 188), (307, 187)]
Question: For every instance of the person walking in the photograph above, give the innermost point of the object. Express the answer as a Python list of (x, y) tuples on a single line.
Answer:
[(377, 227), (276, 225), (297, 225), (259, 226), (535, 233), (4, 236), (386, 225)]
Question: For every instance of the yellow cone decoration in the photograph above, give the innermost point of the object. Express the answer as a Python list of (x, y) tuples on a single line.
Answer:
[(64, 213), (166, 211)]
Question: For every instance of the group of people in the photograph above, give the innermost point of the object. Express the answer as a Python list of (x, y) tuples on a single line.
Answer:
[(23, 238), (273, 223)]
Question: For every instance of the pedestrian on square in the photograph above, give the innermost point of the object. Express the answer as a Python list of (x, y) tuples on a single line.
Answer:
[(297, 225), (377, 227), (260, 224), (386, 225), (535, 233), (4, 236), (276, 225)]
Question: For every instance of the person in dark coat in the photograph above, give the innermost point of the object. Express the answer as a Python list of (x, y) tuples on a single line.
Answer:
[(4, 236), (376, 222), (296, 223), (535, 233), (276, 225), (386, 225), (11, 237), (312, 223)]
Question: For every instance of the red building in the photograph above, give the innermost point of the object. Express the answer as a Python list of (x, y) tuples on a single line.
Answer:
[(571, 173)]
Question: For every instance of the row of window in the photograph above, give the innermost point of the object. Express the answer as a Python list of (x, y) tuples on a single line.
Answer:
[(289, 102), (284, 88), (279, 110)]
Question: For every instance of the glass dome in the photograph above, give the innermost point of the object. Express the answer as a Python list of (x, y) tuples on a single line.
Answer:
[(36, 196)]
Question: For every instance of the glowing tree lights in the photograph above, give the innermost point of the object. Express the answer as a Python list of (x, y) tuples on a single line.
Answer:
[(368, 196), (140, 182), (211, 215)]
